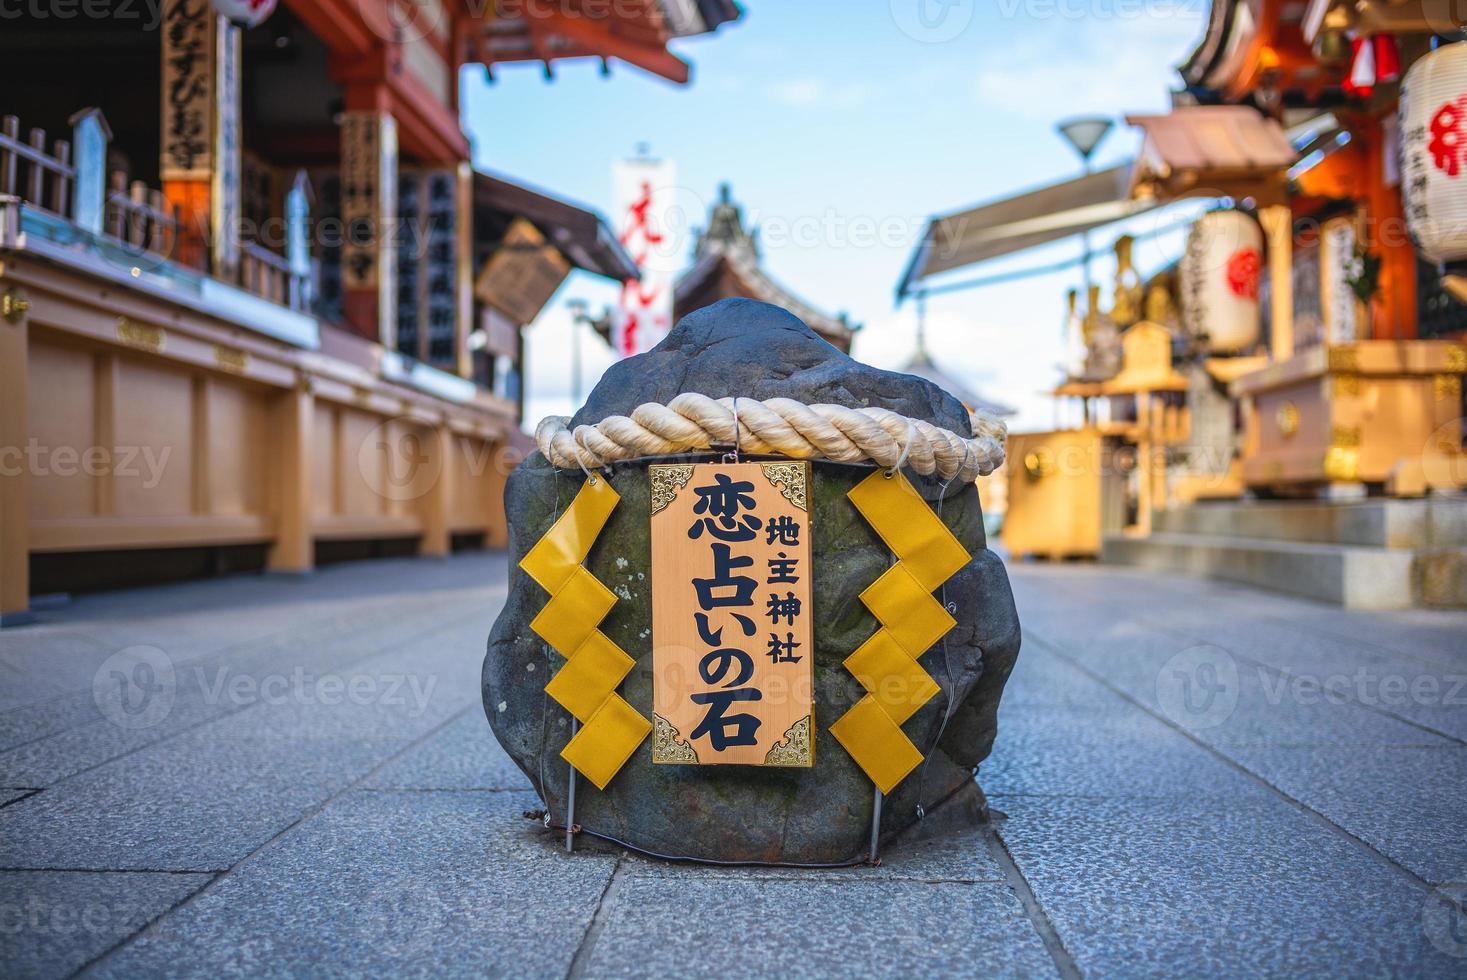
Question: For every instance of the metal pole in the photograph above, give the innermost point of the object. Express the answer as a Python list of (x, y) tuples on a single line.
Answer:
[(575, 365), (1085, 246), (875, 825), (570, 803), (921, 322)]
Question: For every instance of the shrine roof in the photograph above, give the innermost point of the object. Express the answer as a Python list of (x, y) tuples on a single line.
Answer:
[(634, 31), (727, 245), (579, 233)]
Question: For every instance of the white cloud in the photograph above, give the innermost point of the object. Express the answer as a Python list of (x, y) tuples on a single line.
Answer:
[(1104, 65), (808, 92)]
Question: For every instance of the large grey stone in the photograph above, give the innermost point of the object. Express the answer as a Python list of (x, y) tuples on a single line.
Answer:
[(743, 348), (805, 815)]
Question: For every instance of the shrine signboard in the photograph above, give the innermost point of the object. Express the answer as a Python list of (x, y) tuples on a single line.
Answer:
[(732, 646)]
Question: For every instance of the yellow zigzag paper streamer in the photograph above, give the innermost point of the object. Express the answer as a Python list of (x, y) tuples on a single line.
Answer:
[(911, 622), (611, 729)]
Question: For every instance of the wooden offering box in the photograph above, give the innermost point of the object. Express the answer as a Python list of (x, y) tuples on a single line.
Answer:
[(1056, 489), (1377, 412)]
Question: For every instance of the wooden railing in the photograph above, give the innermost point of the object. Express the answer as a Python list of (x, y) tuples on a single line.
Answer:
[(270, 276), (42, 179), (140, 217)]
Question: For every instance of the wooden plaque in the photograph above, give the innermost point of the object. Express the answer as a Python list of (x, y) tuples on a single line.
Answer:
[(522, 275), (732, 651)]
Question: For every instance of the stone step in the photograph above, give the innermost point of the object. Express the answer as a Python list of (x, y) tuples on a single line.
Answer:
[(1432, 522), (1352, 576)]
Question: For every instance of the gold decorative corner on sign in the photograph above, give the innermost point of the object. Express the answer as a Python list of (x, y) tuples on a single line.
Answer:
[(666, 480), (792, 480), (1346, 385), (1457, 359), (794, 750), (668, 745), (1446, 386)]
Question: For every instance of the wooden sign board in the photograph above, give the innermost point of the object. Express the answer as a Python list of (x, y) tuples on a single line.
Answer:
[(522, 275), (732, 651)]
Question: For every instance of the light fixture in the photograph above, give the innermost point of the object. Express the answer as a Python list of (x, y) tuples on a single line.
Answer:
[(1084, 133)]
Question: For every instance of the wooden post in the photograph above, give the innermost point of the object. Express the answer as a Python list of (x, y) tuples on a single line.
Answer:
[(294, 547), (369, 216), (104, 426), (1145, 470), (14, 465), (1394, 304), (464, 283), (1278, 223), (502, 459), (436, 500), (90, 135), (298, 201)]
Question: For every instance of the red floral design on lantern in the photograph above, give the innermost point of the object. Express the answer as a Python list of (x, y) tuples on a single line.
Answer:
[(1449, 136), (1243, 269)]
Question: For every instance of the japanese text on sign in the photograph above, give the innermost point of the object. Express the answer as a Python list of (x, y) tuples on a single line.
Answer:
[(731, 639)]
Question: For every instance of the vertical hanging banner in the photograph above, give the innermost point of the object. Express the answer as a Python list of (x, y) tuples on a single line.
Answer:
[(190, 77), (732, 650), (200, 164), (369, 219), (644, 192)]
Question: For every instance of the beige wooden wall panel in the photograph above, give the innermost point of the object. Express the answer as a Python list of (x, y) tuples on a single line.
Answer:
[(60, 404), (470, 491), (363, 463), (236, 445), (154, 416)]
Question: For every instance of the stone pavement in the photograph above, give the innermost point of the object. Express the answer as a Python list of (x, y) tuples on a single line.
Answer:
[(279, 777)]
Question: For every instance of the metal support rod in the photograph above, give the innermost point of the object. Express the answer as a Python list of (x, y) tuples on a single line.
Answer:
[(1085, 247), (575, 365), (570, 801), (875, 825)]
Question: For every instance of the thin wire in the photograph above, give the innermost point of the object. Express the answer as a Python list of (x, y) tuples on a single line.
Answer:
[(544, 695), (947, 664)]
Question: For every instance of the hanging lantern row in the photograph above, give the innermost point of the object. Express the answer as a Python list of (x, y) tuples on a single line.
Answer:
[(1219, 278), (245, 13), (1433, 128)]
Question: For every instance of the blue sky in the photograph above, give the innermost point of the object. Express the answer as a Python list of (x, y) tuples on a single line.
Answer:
[(841, 127)]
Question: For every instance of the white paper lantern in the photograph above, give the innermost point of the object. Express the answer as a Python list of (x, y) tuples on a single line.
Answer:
[(245, 13), (1433, 133), (1219, 277)]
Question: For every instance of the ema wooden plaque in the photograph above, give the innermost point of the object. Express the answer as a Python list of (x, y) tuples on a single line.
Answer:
[(732, 652)]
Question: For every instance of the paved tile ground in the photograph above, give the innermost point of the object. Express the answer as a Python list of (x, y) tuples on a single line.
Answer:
[(265, 776)]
